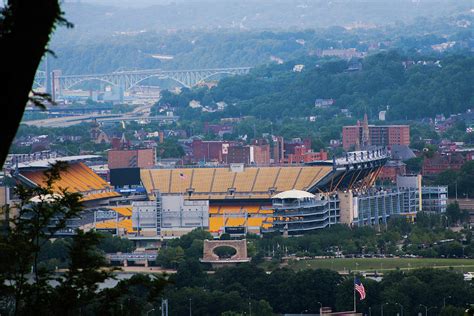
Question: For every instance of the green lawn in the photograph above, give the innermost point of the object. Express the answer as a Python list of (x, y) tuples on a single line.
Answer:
[(382, 264)]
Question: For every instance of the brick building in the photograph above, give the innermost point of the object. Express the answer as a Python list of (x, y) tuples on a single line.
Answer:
[(210, 150), (363, 135), (278, 149), (260, 152), (391, 170), (439, 163), (302, 154)]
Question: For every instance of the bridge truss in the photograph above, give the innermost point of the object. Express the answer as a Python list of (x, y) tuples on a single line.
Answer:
[(129, 79)]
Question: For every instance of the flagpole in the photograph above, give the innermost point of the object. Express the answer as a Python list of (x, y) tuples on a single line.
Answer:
[(353, 289)]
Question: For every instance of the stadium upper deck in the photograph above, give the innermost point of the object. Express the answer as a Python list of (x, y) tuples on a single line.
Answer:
[(354, 170), (222, 183), (77, 178)]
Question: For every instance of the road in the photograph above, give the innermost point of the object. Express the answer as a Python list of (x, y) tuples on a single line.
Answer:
[(140, 113)]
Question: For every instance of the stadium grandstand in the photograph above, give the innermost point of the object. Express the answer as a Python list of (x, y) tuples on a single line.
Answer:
[(116, 220), (241, 196), (234, 199), (224, 183), (77, 178)]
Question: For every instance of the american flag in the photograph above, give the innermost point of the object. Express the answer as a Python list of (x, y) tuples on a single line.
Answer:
[(182, 176), (359, 287)]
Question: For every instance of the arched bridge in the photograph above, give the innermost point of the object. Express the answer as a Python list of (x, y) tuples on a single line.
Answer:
[(129, 79)]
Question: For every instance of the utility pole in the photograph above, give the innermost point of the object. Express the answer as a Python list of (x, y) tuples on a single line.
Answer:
[(164, 307), (456, 189)]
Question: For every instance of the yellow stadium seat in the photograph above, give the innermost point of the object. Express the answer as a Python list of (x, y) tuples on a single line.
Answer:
[(223, 180), (202, 180), (244, 180), (78, 178), (265, 179)]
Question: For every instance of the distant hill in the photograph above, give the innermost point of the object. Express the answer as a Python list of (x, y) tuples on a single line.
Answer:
[(409, 88), (230, 47), (104, 17)]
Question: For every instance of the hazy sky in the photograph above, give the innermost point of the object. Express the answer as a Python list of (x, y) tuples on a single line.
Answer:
[(130, 3)]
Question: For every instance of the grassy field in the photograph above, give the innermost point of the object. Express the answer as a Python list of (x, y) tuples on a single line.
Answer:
[(382, 264)]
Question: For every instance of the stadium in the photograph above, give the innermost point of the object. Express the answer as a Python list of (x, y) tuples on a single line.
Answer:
[(240, 197), (236, 199)]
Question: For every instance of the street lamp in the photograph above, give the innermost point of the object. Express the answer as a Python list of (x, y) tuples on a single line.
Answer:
[(426, 309), (320, 308), (190, 307), (432, 307), (151, 310), (401, 308), (444, 300), (381, 308)]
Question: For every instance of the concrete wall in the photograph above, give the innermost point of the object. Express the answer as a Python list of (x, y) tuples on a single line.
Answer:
[(346, 206), (144, 215), (180, 213)]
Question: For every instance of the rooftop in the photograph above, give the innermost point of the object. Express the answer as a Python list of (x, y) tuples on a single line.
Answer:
[(293, 194)]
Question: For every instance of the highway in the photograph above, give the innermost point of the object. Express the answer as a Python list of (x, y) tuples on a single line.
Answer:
[(140, 113)]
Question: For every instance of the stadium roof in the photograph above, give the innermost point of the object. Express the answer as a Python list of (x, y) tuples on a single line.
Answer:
[(293, 194), (78, 178), (45, 163), (222, 183)]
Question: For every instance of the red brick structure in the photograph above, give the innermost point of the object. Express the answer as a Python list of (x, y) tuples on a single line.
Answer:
[(439, 163), (362, 134), (391, 170), (209, 256), (278, 149), (210, 150), (303, 154), (260, 152)]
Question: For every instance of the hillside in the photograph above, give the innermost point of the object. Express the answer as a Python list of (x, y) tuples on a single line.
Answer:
[(92, 48), (387, 80)]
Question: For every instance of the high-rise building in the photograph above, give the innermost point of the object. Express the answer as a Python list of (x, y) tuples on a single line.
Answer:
[(363, 135)]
